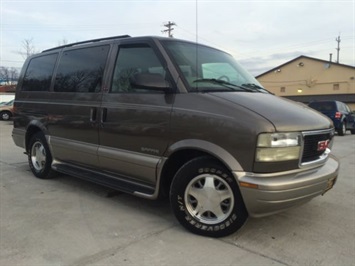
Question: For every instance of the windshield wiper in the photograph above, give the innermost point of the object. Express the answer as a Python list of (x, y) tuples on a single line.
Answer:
[(255, 87), (224, 83)]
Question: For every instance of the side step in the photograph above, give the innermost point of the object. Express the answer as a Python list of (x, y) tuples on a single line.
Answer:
[(114, 182)]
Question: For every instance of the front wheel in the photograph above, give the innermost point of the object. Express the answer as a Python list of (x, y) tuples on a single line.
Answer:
[(39, 157), (206, 200)]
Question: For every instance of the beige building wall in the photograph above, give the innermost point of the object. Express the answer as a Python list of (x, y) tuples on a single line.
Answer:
[(306, 76)]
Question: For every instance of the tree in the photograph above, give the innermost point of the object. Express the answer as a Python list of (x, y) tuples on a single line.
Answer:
[(4, 75), (64, 41), (13, 75), (8, 75), (28, 48)]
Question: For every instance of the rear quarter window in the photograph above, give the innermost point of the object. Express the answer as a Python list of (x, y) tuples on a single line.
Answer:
[(39, 73)]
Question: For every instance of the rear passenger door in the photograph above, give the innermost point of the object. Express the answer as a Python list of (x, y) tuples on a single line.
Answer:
[(76, 99), (134, 128)]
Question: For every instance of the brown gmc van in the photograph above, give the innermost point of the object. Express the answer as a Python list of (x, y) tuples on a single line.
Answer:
[(162, 117)]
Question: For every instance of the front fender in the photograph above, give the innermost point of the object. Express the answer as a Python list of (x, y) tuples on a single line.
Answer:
[(207, 147)]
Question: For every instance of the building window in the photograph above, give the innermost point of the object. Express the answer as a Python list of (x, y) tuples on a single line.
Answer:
[(336, 86), (283, 89)]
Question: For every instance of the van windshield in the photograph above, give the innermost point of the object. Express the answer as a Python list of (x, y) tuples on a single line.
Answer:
[(210, 70)]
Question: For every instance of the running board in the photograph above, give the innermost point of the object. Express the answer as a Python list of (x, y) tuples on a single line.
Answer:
[(114, 182)]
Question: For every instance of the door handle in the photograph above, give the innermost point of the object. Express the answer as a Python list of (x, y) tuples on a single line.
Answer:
[(93, 114), (103, 115)]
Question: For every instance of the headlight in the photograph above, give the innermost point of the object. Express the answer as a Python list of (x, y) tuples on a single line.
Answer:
[(277, 147)]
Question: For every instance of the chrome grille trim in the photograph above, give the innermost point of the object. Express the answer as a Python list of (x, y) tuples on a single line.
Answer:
[(309, 155)]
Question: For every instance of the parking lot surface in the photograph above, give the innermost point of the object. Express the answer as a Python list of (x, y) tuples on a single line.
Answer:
[(68, 221)]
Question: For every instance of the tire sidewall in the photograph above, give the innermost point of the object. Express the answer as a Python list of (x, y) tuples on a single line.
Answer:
[(196, 167), (44, 173)]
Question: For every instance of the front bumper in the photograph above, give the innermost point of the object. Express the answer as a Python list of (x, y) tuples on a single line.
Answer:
[(276, 192)]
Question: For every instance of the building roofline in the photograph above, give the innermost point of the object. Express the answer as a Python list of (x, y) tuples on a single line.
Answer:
[(303, 56)]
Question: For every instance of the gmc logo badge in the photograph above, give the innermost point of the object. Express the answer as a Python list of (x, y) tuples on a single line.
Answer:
[(323, 145)]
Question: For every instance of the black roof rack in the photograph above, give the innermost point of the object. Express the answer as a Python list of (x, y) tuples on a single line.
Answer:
[(88, 41)]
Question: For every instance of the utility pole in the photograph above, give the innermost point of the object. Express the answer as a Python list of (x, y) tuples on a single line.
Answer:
[(338, 49), (169, 29)]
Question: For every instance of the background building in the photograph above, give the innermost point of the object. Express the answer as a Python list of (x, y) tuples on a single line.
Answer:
[(305, 79)]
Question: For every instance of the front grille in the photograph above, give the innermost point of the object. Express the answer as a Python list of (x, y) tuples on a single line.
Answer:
[(310, 149)]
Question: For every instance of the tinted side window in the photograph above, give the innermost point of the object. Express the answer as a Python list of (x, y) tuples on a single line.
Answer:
[(323, 106), (134, 60), (39, 73), (81, 70)]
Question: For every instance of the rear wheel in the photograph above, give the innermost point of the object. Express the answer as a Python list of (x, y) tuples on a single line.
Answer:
[(39, 157), (342, 129), (206, 199)]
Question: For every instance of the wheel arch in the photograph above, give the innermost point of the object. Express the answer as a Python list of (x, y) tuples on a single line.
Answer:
[(183, 151), (33, 128)]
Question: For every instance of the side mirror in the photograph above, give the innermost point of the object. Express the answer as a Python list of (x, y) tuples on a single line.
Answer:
[(150, 81)]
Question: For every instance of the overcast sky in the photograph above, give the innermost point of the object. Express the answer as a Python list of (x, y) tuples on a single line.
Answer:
[(259, 34)]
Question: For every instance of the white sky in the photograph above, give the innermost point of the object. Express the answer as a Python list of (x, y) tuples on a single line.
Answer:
[(259, 34)]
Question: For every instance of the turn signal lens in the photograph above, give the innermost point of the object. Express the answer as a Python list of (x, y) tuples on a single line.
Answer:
[(248, 185)]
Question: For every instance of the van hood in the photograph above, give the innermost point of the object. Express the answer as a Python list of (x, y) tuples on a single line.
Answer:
[(285, 115)]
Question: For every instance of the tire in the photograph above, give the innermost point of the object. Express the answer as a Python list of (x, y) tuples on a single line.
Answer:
[(5, 115), (206, 200), (352, 131), (39, 157), (342, 129)]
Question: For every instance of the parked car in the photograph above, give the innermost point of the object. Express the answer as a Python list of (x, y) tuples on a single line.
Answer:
[(6, 110), (162, 117), (340, 113)]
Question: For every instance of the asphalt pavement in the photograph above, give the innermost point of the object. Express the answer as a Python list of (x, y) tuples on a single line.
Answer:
[(68, 221)]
